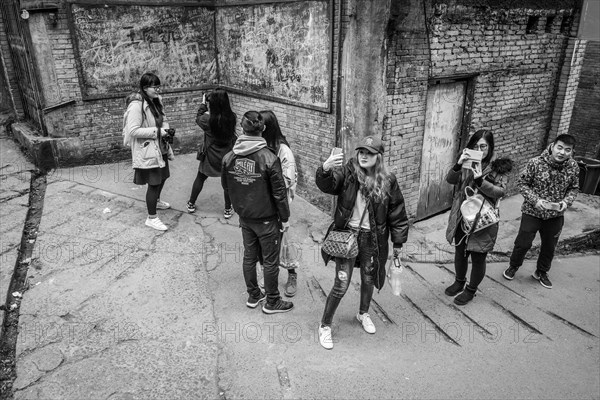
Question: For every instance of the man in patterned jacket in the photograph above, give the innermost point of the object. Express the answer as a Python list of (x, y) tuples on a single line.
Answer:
[(549, 185)]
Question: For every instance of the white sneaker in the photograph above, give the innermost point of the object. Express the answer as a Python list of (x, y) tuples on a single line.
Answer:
[(156, 224), (325, 338), (162, 205), (367, 324)]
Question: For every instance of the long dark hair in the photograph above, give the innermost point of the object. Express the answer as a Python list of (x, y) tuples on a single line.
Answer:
[(376, 185), (147, 80), (222, 120), (272, 132), (488, 136)]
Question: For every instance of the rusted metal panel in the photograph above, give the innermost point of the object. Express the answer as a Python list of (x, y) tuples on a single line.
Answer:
[(19, 42), (443, 121)]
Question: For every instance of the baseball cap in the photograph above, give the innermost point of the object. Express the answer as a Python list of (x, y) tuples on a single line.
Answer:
[(372, 144)]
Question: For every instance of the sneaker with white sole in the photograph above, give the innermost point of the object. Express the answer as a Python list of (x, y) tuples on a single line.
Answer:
[(367, 324), (191, 207), (280, 306), (162, 205), (228, 213), (325, 338), (156, 223), (252, 301), (543, 278)]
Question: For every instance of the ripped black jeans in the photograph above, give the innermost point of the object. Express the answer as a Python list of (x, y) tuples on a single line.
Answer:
[(343, 276)]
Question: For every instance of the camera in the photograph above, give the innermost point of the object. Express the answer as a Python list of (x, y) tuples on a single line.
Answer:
[(168, 138)]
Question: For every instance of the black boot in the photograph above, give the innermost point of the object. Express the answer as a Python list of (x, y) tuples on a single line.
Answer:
[(466, 296), (456, 287)]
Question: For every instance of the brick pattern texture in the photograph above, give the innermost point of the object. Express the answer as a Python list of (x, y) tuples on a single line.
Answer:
[(512, 60)]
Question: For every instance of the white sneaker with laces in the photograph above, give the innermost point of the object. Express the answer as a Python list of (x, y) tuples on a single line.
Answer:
[(325, 338), (367, 324), (162, 205), (156, 223)]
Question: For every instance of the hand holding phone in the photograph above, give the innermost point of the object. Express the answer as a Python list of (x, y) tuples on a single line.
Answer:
[(336, 159)]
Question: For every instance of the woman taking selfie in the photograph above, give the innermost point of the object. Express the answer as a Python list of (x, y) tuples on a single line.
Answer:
[(218, 123), (489, 179), (148, 135), (370, 203)]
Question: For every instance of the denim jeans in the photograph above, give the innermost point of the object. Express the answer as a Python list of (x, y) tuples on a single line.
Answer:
[(549, 229), (261, 238), (343, 276)]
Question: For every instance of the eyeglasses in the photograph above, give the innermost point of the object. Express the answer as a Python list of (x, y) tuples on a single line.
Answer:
[(157, 88), (482, 147)]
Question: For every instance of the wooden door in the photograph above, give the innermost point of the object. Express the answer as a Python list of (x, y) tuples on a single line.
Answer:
[(444, 114)]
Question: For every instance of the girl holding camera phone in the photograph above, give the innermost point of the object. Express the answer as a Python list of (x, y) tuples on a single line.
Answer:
[(489, 179), (218, 124), (147, 134)]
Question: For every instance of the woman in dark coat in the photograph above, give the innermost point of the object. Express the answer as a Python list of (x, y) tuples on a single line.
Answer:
[(490, 180), (362, 184), (218, 123)]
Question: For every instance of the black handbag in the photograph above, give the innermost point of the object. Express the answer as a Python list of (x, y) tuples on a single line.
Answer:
[(343, 243)]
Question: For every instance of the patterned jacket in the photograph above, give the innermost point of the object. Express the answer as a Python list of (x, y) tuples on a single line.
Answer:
[(544, 178)]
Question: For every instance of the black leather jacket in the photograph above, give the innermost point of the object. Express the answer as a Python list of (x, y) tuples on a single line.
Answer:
[(256, 186)]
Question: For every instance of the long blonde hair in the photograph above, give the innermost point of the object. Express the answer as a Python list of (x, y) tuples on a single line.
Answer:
[(375, 185)]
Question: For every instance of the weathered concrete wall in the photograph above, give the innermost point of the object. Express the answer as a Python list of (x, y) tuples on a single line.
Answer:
[(362, 93), (585, 121)]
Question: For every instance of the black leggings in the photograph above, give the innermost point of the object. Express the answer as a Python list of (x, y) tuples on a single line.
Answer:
[(152, 196), (461, 261), (197, 188)]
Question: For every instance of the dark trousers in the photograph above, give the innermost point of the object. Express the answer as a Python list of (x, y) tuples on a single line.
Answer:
[(461, 261), (549, 229), (197, 188), (152, 195), (261, 238), (343, 276)]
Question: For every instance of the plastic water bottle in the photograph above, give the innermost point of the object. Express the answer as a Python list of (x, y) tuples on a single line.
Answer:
[(396, 276)]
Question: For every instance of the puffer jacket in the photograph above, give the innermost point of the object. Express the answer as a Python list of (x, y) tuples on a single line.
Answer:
[(386, 217), (544, 178), (492, 186), (144, 136)]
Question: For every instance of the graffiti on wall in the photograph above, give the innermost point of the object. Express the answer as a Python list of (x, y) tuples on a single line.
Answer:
[(281, 51), (117, 44)]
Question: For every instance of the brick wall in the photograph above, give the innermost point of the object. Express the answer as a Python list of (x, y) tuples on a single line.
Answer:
[(585, 121), (567, 87), (511, 58)]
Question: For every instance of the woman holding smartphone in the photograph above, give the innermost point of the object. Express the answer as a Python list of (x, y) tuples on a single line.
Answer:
[(218, 123), (490, 180), (370, 203)]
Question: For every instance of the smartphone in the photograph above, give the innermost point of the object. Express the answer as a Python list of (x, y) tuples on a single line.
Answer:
[(336, 150), (474, 155)]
